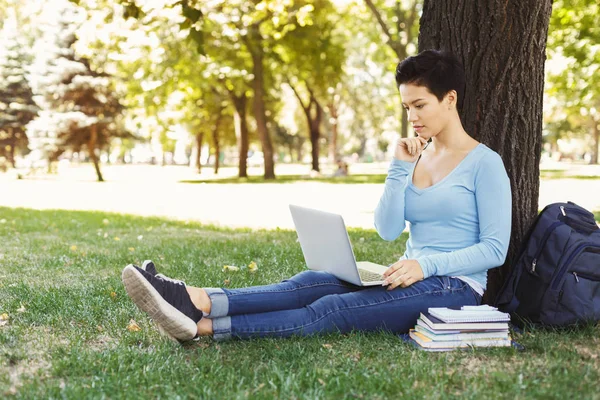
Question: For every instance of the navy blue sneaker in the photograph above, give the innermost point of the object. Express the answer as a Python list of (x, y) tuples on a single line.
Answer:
[(165, 300), (149, 267)]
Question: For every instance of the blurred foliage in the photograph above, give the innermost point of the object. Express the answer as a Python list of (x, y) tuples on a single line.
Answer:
[(177, 67), (17, 107), (574, 45)]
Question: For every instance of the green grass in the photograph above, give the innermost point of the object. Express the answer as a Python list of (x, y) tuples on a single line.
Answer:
[(563, 174), (359, 178), (67, 334)]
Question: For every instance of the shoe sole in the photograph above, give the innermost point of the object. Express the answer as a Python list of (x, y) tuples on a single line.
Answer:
[(173, 322)]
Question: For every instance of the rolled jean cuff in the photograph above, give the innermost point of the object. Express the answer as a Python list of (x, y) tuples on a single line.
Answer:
[(219, 303), (221, 328)]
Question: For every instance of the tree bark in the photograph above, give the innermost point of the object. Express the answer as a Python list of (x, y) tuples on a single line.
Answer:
[(503, 48), (92, 149), (259, 102), (198, 163), (241, 132)]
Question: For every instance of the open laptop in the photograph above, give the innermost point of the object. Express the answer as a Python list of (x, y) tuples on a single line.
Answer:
[(326, 247)]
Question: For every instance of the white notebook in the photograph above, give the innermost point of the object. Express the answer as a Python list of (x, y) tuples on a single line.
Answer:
[(468, 315)]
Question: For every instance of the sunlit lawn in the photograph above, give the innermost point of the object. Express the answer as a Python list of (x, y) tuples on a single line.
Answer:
[(359, 178), (564, 174), (66, 335)]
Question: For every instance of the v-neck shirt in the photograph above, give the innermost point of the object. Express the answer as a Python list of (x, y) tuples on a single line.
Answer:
[(459, 226)]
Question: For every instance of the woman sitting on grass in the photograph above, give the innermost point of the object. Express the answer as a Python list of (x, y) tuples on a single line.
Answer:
[(456, 196)]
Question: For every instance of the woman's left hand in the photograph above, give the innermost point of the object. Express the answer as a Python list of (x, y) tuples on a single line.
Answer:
[(402, 273)]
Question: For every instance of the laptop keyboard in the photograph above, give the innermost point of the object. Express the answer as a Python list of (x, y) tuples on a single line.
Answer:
[(368, 276)]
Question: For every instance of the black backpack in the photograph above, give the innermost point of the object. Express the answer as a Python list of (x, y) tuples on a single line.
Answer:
[(556, 279)]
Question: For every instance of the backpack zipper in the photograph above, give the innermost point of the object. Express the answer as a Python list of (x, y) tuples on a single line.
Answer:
[(563, 269), (585, 276), (550, 229)]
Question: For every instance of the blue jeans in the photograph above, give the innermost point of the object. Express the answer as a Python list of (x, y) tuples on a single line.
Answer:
[(313, 302)]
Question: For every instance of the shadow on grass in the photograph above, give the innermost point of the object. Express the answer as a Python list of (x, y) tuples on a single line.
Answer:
[(350, 179)]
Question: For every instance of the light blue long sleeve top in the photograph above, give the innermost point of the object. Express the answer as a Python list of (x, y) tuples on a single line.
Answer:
[(460, 226)]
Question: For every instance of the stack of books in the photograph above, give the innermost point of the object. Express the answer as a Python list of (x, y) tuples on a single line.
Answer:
[(445, 329)]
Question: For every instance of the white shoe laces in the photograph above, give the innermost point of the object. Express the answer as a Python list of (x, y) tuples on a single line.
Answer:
[(166, 278)]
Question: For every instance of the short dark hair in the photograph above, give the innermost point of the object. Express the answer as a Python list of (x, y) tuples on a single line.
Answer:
[(438, 71)]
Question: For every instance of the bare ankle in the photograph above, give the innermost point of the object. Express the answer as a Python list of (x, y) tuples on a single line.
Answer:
[(200, 299), (205, 327)]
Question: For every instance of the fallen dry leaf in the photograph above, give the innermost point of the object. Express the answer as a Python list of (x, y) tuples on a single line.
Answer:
[(252, 267), (321, 381), (113, 295), (21, 309), (226, 282), (327, 346), (231, 268), (4, 317), (133, 326)]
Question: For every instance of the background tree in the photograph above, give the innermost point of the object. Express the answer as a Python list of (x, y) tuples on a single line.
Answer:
[(574, 43), (80, 108), (398, 21), (17, 107), (310, 62), (502, 46)]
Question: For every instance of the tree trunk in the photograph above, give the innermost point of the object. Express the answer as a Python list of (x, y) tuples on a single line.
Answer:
[(315, 133), (333, 155), (404, 126), (259, 104), (12, 142), (596, 133), (217, 145), (314, 124), (502, 46), (241, 132), (198, 163), (92, 150)]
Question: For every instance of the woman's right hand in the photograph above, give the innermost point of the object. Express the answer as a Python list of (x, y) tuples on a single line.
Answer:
[(409, 149)]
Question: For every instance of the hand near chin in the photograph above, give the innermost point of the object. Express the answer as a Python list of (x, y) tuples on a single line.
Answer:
[(409, 149), (402, 273)]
